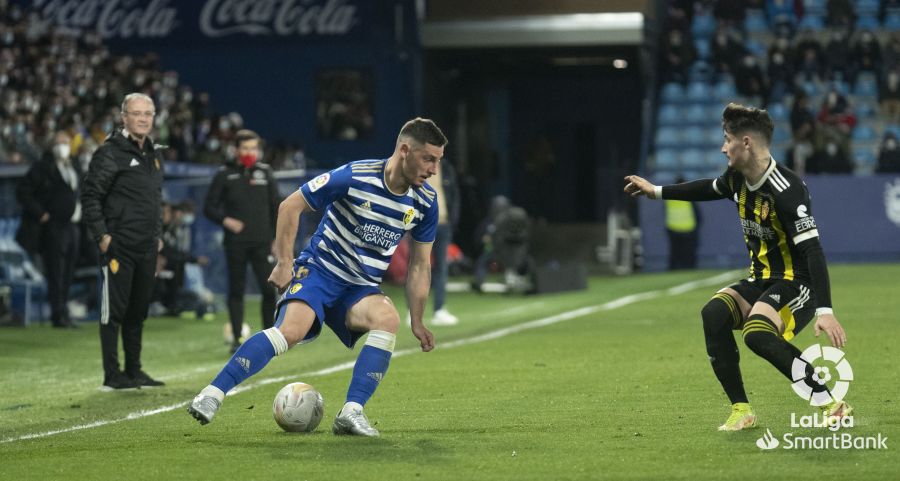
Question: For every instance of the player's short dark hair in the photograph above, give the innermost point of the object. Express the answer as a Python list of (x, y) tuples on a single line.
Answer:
[(423, 131), (739, 119), (244, 135)]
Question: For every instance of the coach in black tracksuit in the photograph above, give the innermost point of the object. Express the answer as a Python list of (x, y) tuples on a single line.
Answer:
[(122, 198), (244, 199)]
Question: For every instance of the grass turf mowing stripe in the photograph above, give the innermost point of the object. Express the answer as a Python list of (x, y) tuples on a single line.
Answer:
[(496, 334)]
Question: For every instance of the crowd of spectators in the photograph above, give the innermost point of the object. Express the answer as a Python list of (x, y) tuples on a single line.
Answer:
[(55, 78), (813, 71)]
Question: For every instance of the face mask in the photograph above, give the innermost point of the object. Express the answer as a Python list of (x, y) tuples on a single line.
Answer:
[(61, 151), (890, 144), (247, 160), (187, 219), (831, 149)]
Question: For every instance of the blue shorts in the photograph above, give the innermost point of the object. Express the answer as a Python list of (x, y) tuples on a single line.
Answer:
[(329, 297)]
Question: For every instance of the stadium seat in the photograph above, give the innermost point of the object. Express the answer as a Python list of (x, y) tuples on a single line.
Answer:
[(755, 22), (703, 49), (672, 93), (778, 112), (714, 161), (781, 134), (756, 47), (840, 86), (893, 128), (668, 115), (704, 25), (892, 22), (866, 85), (667, 160), (864, 133), (812, 21), (867, 8), (715, 137), (693, 136), (864, 156), (695, 114), (701, 71), (667, 137), (724, 92), (692, 159), (815, 7), (699, 92), (867, 22)]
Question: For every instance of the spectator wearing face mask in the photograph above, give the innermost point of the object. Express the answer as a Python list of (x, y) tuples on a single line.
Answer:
[(889, 95), (889, 156), (243, 199), (49, 194)]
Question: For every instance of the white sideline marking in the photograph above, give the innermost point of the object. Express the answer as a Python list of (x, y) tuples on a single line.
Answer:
[(546, 321)]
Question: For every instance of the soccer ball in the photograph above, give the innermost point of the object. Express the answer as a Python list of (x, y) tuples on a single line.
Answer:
[(298, 408)]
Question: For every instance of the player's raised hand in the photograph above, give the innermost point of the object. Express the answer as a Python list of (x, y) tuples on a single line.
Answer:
[(830, 325), (637, 186), (281, 276), (425, 337)]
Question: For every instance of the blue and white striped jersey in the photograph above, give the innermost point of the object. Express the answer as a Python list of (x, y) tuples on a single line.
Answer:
[(364, 221)]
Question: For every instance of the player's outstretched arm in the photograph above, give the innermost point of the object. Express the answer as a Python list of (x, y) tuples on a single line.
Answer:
[(418, 282), (289, 212), (637, 186)]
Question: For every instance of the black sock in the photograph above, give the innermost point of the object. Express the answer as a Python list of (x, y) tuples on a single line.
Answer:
[(762, 337), (720, 316)]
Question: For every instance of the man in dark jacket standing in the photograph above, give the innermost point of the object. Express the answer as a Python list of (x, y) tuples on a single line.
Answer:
[(51, 210), (122, 198), (244, 198)]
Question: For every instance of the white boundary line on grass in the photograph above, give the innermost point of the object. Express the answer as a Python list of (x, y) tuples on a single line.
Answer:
[(488, 336)]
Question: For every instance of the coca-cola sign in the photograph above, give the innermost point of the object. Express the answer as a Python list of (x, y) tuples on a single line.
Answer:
[(277, 17), (111, 18)]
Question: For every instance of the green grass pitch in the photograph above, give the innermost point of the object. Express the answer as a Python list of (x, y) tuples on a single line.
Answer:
[(617, 390)]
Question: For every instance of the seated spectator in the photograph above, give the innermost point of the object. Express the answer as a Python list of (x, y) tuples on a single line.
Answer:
[(839, 65), (780, 70), (750, 81), (891, 56), (808, 58), (889, 95), (803, 129), (830, 159), (867, 52), (840, 13), (781, 12), (836, 114), (727, 50), (730, 13), (678, 54), (889, 155)]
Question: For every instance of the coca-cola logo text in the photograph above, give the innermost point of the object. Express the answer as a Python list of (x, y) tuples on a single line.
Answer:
[(279, 17), (111, 18)]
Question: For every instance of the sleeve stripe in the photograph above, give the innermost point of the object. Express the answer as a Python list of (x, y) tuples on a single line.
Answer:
[(716, 186), (805, 236)]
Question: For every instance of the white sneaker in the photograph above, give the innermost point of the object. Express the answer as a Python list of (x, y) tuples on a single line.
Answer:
[(442, 317)]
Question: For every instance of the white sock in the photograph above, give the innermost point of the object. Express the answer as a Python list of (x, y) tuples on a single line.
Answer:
[(214, 392), (348, 406)]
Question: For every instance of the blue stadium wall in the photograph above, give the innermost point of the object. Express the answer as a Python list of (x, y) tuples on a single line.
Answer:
[(858, 220)]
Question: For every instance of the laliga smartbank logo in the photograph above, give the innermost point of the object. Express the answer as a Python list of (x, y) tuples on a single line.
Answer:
[(831, 370), (838, 371)]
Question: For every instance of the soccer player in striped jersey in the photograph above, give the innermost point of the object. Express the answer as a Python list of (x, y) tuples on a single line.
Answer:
[(788, 284), (369, 205)]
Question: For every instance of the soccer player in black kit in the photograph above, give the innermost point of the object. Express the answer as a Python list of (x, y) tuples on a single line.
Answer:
[(244, 199), (788, 284)]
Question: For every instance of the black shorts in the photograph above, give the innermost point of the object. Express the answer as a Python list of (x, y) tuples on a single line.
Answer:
[(793, 300)]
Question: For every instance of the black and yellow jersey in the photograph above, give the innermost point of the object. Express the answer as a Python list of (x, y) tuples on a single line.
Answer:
[(777, 222), (775, 217)]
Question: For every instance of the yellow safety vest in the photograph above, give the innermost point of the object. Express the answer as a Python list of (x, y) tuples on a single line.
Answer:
[(680, 216)]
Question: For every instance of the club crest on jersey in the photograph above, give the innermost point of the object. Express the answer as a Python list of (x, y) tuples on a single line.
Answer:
[(156, 162), (319, 181), (764, 210), (114, 266), (408, 217), (296, 287), (301, 273)]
